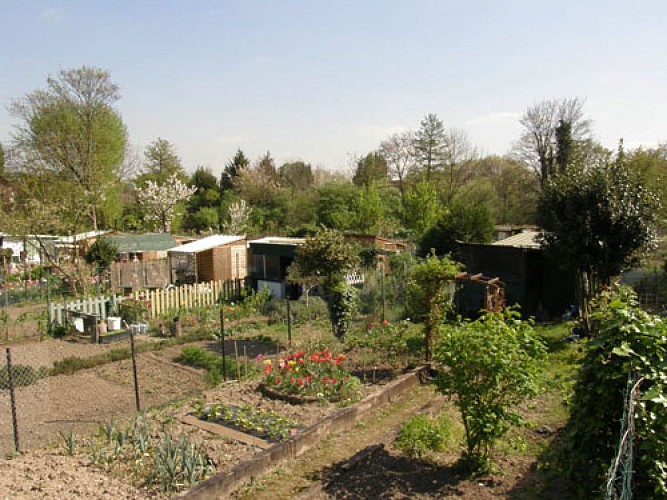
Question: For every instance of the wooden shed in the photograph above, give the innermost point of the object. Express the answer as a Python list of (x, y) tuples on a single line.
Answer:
[(214, 258)]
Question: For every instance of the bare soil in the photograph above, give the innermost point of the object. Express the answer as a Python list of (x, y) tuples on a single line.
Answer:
[(361, 463)]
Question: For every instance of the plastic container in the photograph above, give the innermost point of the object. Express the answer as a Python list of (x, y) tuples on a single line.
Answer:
[(113, 323)]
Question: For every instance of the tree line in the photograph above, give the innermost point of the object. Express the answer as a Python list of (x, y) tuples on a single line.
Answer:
[(69, 168)]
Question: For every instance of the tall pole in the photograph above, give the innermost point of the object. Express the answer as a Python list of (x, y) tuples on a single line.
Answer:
[(289, 323), (134, 371), (383, 297), (12, 396), (222, 342)]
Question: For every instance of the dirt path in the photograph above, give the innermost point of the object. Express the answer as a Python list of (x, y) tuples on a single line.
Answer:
[(304, 476)]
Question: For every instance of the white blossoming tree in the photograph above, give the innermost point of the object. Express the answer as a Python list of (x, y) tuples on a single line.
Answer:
[(159, 201), (239, 216)]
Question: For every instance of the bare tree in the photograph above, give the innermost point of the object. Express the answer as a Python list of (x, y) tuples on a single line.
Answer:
[(398, 151), (458, 158), (537, 146)]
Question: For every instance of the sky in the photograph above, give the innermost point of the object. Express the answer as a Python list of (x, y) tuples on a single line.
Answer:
[(326, 81)]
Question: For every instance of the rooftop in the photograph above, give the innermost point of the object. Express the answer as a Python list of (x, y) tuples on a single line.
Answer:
[(213, 241)]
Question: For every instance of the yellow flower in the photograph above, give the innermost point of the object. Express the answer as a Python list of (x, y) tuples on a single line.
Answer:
[(267, 361), (296, 369)]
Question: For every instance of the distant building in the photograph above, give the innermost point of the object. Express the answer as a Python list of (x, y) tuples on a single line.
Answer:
[(214, 258), (270, 257), (532, 280)]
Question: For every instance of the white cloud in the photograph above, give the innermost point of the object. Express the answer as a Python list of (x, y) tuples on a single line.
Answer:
[(493, 118), (378, 133), (52, 15)]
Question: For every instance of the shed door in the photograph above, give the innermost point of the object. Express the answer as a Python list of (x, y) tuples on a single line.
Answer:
[(239, 266)]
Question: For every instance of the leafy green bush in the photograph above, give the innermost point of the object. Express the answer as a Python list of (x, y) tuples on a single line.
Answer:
[(421, 434), (490, 365), (630, 350), (212, 363)]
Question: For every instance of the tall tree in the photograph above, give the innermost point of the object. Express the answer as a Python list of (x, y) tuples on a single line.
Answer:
[(161, 161), (71, 129), (398, 151), (203, 207), (232, 169), (422, 207), (458, 158), (537, 147), (595, 220), (430, 144), (468, 223), (2, 159), (371, 168), (297, 175)]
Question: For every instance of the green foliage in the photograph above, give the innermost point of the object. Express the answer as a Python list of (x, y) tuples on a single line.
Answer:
[(430, 292), (212, 363), (489, 365), (630, 348), (247, 418), (102, 253), (303, 310), (335, 209), (595, 221), (341, 299), (420, 434), (371, 168), (422, 207), (463, 222)]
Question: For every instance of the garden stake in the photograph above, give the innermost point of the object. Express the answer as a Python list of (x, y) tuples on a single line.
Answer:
[(12, 397), (245, 356), (236, 357), (222, 342), (289, 324), (134, 370)]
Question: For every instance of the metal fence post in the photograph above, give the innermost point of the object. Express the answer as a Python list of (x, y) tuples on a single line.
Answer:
[(289, 323), (10, 377), (222, 342), (134, 371)]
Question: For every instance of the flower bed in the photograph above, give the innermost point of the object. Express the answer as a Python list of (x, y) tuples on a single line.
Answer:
[(267, 425), (316, 376)]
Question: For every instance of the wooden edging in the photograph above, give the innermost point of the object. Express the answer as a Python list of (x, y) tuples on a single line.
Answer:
[(224, 484)]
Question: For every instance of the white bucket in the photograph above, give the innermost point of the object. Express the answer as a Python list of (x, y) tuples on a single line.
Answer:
[(113, 323), (78, 324)]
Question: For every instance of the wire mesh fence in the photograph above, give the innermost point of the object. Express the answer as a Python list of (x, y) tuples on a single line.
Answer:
[(40, 401)]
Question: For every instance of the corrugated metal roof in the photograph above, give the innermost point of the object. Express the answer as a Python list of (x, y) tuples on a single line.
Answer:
[(525, 239), (150, 242), (83, 236), (216, 240), (278, 240)]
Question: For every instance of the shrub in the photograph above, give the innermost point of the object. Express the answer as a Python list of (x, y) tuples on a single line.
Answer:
[(212, 363), (421, 434), (490, 365), (629, 350)]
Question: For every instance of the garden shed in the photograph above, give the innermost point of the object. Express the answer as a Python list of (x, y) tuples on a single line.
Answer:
[(532, 280), (270, 257), (142, 247), (215, 258), (141, 261)]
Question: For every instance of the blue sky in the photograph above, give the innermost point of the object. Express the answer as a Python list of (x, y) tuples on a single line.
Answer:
[(325, 81)]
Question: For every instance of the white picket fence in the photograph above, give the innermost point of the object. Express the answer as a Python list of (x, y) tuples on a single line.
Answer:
[(158, 301), (94, 306)]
